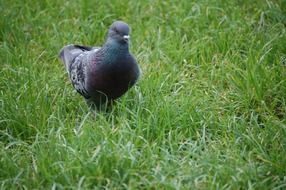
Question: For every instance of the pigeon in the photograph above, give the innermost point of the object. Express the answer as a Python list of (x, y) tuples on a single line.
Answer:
[(102, 74)]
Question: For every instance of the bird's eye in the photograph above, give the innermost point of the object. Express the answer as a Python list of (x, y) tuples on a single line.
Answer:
[(116, 30)]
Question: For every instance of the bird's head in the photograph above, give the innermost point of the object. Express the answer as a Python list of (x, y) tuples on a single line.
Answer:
[(119, 31)]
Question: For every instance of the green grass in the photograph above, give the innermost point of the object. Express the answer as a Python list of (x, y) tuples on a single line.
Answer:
[(209, 111)]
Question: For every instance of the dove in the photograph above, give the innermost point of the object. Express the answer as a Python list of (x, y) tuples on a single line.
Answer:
[(102, 74)]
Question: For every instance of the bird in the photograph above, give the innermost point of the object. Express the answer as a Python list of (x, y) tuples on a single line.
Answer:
[(102, 74)]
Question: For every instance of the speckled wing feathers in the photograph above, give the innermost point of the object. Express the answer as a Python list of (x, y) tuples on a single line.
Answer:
[(77, 74), (76, 60)]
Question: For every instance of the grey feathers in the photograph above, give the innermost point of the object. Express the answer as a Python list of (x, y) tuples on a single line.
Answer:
[(74, 58), (102, 74), (77, 74)]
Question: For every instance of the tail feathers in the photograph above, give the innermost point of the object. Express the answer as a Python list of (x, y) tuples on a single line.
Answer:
[(83, 48), (86, 48), (70, 52)]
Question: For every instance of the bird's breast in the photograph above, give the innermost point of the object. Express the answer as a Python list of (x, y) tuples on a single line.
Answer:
[(113, 79)]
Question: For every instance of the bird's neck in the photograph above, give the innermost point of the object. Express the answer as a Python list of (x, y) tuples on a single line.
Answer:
[(116, 48), (114, 51)]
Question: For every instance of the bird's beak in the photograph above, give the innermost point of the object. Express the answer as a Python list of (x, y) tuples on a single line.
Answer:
[(126, 38)]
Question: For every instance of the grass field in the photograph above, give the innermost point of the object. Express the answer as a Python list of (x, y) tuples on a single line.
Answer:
[(209, 111)]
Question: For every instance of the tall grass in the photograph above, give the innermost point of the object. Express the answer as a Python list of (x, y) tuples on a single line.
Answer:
[(209, 111)]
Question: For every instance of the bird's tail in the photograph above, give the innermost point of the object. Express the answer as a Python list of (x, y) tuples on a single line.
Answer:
[(69, 53)]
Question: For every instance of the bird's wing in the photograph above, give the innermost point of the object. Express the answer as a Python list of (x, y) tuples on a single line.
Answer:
[(85, 48), (76, 59), (70, 52)]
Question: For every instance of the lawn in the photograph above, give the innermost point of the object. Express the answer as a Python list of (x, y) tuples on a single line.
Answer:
[(209, 110)]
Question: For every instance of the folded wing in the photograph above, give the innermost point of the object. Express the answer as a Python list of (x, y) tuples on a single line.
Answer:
[(75, 60)]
